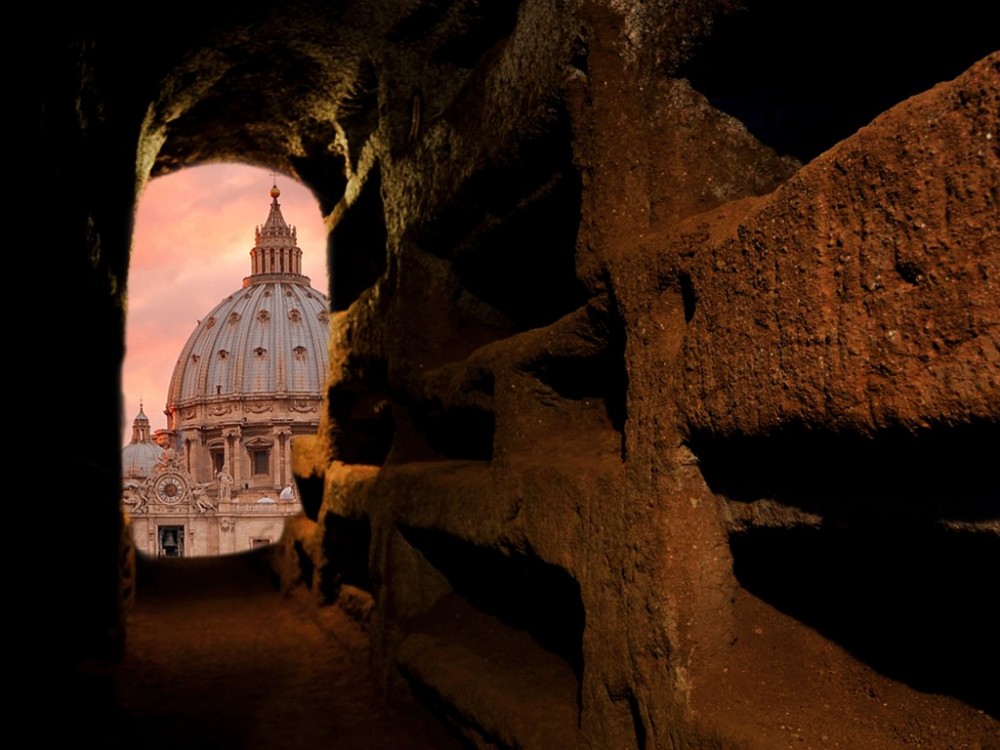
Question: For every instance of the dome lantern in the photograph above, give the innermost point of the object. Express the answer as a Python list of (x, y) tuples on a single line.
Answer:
[(275, 250)]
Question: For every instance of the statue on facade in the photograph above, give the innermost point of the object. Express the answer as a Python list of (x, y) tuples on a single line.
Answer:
[(202, 502), (225, 486), (134, 498)]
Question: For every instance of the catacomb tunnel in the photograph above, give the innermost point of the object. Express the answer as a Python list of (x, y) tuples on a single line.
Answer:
[(664, 355)]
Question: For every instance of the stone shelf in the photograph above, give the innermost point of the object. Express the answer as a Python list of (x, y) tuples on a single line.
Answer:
[(504, 507)]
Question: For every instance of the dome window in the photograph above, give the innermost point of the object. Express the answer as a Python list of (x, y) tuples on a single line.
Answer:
[(223, 354), (260, 352), (210, 323), (300, 353), (263, 316), (295, 316), (234, 317)]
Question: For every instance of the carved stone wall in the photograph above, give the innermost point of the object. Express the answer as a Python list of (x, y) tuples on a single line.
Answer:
[(664, 362)]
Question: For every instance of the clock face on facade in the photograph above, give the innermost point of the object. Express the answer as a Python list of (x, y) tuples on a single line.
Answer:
[(171, 488)]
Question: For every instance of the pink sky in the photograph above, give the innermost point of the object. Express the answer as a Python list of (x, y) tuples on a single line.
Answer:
[(191, 248)]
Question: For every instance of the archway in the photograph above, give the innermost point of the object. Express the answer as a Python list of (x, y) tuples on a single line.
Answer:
[(229, 425)]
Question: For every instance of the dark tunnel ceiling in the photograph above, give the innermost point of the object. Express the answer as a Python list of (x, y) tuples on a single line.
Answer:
[(262, 85), (270, 84), (259, 88)]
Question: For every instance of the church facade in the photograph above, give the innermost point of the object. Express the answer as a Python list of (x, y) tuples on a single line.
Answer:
[(248, 381)]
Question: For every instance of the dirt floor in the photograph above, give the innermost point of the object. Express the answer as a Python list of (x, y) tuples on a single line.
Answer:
[(786, 687), (216, 658)]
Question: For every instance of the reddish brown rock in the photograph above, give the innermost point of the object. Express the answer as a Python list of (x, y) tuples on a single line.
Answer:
[(860, 295), (640, 433)]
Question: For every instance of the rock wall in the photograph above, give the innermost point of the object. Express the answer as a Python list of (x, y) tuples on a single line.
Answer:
[(664, 360)]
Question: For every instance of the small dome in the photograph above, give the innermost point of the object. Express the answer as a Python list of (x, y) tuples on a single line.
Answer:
[(287, 494), (267, 501), (138, 459), (141, 454)]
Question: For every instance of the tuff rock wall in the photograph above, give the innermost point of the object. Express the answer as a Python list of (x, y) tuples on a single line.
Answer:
[(665, 369)]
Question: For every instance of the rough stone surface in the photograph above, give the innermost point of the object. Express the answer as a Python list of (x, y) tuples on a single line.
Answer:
[(861, 294), (661, 356)]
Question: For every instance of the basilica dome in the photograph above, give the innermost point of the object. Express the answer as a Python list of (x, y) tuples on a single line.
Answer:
[(266, 339)]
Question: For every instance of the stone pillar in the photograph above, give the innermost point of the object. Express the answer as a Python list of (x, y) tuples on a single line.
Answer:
[(232, 440), (284, 456)]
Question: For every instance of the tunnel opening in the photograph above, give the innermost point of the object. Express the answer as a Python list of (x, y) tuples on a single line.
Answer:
[(802, 92), (217, 478)]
